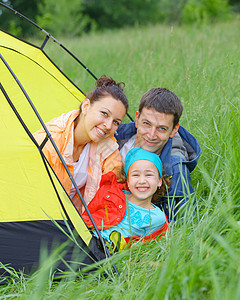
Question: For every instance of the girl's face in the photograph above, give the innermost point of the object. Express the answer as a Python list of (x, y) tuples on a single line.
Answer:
[(143, 180), (102, 118)]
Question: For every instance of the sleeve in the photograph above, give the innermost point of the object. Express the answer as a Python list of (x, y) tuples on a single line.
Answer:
[(113, 163), (104, 207)]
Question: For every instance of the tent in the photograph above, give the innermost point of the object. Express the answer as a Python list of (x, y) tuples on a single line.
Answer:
[(33, 90)]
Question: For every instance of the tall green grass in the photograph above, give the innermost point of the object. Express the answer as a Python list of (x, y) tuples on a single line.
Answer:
[(199, 258)]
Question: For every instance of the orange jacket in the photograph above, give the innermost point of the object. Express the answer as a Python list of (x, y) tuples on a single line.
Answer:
[(108, 207), (103, 157)]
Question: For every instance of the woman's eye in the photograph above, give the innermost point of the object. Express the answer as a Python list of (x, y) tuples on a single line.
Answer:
[(104, 113), (116, 123)]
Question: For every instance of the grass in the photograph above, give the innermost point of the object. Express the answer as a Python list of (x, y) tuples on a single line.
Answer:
[(199, 259)]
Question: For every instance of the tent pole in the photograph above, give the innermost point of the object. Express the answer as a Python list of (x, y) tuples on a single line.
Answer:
[(48, 35), (56, 149)]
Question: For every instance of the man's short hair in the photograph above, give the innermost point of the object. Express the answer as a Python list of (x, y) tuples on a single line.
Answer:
[(163, 101)]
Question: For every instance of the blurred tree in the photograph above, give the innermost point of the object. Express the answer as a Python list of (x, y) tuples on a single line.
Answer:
[(115, 14), (16, 25), (170, 11), (235, 4), (198, 11), (63, 17)]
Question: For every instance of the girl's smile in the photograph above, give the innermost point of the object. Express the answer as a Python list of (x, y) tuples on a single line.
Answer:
[(142, 189), (143, 181)]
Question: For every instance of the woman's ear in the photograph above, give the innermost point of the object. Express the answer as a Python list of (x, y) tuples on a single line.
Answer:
[(85, 106)]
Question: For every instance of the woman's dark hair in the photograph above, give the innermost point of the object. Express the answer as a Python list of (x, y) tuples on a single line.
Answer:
[(107, 86)]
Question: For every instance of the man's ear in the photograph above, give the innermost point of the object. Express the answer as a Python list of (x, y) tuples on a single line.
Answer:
[(175, 130), (136, 118), (85, 106)]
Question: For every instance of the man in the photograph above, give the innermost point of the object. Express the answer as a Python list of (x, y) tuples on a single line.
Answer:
[(156, 129)]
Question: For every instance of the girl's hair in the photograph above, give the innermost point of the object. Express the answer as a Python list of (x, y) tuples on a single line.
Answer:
[(106, 86), (160, 192), (166, 181)]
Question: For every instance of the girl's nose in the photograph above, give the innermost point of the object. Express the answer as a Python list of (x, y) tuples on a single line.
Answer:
[(141, 179)]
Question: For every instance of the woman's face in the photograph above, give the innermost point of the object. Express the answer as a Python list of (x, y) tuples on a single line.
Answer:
[(102, 118)]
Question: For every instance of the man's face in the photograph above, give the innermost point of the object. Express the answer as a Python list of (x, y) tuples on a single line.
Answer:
[(154, 129)]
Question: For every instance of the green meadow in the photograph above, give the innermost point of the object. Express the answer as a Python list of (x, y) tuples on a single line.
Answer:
[(200, 256)]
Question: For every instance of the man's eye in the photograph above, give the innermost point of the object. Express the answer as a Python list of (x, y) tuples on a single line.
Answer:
[(104, 113), (162, 129), (146, 123)]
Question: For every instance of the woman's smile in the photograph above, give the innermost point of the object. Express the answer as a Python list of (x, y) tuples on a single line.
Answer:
[(100, 132), (100, 120)]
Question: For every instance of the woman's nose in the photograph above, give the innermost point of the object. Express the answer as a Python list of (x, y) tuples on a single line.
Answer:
[(108, 124)]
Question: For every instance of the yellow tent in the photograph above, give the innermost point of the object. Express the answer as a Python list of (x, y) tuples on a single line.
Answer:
[(30, 198)]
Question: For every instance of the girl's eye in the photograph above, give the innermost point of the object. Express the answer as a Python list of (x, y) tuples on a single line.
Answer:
[(149, 175)]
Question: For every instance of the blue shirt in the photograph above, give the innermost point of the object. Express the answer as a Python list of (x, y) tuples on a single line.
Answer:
[(138, 221)]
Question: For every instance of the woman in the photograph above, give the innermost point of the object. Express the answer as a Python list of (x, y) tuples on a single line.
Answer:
[(85, 139)]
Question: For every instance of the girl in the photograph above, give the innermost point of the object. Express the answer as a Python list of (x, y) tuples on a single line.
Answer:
[(130, 213), (85, 139)]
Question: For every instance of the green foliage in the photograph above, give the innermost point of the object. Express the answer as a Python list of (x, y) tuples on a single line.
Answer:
[(14, 28), (72, 18), (15, 25), (117, 14), (199, 11), (170, 11), (199, 259), (63, 17), (235, 5)]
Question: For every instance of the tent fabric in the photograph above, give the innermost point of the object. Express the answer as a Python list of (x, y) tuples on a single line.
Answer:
[(23, 251), (28, 199)]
